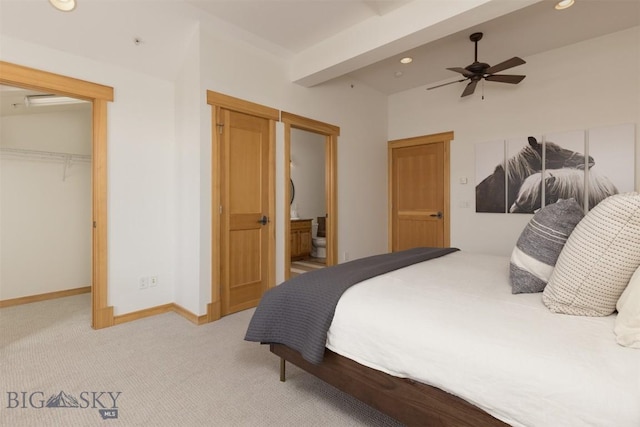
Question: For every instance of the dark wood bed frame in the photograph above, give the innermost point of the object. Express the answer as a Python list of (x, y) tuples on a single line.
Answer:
[(410, 402)]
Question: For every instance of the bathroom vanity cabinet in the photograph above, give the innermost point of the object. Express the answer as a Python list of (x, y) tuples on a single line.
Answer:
[(300, 239)]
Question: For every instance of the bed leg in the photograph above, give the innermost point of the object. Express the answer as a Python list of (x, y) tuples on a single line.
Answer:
[(282, 369)]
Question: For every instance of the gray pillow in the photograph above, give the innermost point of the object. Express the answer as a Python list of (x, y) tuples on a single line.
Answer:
[(540, 244)]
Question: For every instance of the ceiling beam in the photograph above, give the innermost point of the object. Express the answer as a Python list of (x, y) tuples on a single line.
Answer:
[(380, 37)]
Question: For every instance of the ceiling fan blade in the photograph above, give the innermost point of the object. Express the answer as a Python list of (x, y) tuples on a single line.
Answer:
[(471, 87), (462, 71), (505, 78), (509, 63), (445, 84)]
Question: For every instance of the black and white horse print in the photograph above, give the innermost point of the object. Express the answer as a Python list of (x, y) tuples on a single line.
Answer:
[(560, 184), (490, 193)]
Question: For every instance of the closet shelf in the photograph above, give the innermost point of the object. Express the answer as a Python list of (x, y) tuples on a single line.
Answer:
[(67, 158), (45, 155)]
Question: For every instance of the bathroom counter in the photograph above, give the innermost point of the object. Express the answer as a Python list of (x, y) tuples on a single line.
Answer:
[(300, 247)]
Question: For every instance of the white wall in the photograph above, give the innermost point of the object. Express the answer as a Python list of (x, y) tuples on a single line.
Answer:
[(45, 211), (189, 102), (66, 130), (141, 191), (141, 163), (586, 85)]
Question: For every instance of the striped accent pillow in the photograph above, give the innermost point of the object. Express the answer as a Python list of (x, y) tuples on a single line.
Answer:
[(598, 260), (540, 244)]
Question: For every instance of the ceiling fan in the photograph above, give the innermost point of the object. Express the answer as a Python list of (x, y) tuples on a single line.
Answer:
[(480, 70)]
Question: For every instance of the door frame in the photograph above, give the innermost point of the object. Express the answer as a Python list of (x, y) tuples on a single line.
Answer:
[(98, 95), (331, 133), (444, 138), (219, 101)]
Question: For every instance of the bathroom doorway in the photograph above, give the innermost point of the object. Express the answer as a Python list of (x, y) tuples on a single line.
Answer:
[(310, 211), (308, 207)]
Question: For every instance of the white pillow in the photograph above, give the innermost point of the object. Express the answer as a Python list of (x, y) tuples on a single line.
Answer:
[(627, 327), (598, 259)]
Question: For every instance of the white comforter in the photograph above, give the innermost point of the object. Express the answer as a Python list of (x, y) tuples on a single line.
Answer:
[(453, 323)]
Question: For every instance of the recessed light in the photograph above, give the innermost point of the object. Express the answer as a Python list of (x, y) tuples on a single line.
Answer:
[(564, 4), (406, 60), (63, 5)]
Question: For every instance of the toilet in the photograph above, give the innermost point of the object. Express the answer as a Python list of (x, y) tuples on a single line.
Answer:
[(319, 240)]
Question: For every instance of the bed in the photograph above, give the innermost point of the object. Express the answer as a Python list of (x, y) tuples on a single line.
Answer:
[(445, 342)]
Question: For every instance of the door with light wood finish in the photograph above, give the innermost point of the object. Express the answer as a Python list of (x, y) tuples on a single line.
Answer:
[(419, 192), (245, 209), (242, 203)]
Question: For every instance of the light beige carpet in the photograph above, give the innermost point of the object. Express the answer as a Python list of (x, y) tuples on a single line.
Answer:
[(168, 372)]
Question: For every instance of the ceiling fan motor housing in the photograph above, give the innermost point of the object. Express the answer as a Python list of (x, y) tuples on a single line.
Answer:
[(477, 68), (475, 37)]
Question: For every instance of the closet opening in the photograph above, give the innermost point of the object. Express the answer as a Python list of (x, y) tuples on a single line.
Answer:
[(97, 96), (45, 196)]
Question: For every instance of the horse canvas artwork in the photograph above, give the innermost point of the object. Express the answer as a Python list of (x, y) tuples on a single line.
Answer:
[(565, 183), (534, 172), (500, 190)]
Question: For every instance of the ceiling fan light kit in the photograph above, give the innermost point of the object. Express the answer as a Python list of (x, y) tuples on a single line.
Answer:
[(481, 70)]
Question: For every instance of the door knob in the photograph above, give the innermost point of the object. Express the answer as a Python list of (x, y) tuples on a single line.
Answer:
[(264, 220)]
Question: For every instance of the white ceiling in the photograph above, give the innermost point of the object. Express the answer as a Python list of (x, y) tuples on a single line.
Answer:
[(321, 39), (295, 25), (298, 25), (534, 29)]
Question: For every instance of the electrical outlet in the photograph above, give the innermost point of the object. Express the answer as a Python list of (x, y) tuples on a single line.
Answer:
[(153, 281), (144, 282), (345, 256)]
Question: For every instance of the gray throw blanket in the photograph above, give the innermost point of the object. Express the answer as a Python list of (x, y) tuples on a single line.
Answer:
[(299, 312)]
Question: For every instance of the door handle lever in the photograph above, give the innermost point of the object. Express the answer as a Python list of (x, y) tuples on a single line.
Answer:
[(437, 215), (264, 220)]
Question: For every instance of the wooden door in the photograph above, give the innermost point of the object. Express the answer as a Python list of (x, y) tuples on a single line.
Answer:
[(419, 192), (245, 210)]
